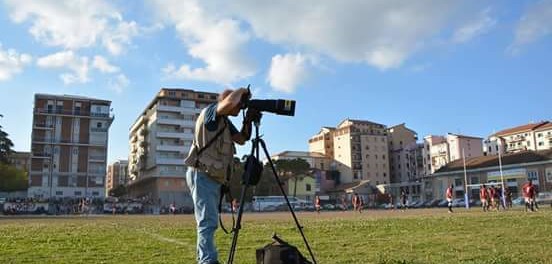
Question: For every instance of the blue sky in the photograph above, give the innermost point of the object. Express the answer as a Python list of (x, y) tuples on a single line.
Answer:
[(470, 67)]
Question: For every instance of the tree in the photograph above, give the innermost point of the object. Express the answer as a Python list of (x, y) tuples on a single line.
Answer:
[(295, 169), (12, 179), (5, 146)]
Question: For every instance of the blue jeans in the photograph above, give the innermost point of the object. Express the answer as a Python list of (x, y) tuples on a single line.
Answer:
[(205, 194)]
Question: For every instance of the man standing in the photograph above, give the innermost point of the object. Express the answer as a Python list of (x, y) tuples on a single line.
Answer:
[(449, 196), (317, 204), (210, 164), (483, 196), (403, 200), (528, 195)]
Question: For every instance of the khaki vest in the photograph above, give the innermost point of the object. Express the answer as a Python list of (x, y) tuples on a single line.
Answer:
[(217, 159)]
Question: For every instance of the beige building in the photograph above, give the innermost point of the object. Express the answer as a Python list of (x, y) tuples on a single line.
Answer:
[(440, 150), (359, 148), (323, 142), (534, 136), (117, 174), (21, 161), (160, 139), (69, 146), (405, 160), (517, 169)]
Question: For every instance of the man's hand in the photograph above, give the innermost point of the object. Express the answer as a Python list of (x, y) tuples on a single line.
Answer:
[(252, 115)]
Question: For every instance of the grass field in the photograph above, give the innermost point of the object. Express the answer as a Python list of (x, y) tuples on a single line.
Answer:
[(414, 236)]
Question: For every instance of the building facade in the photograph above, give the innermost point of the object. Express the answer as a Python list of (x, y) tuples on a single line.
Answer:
[(117, 175), (160, 139), (69, 146), (405, 160), (517, 169), (21, 161), (440, 150), (534, 136), (358, 149)]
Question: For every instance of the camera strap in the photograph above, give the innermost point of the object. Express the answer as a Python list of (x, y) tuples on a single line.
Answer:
[(225, 190), (208, 144)]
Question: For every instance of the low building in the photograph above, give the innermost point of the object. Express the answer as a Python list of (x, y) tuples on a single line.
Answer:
[(517, 168), (532, 136)]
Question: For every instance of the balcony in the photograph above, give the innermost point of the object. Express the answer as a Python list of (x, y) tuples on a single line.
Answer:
[(44, 111), (41, 155), (177, 122), (170, 161), (96, 158), (169, 108), (43, 126), (179, 148), (98, 129), (178, 135)]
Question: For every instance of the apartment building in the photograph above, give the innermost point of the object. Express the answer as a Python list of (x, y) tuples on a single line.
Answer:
[(440, 150), (160, 139), (323, 142), (405, 161), (117, 174), (21, 160), (533, 136), (358, 148), (69, 146)]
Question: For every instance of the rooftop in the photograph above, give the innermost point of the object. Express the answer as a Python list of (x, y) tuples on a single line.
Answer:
[(522, 128)]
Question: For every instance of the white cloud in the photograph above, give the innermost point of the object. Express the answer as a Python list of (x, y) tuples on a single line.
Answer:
[(103, 65), (474, 28), (287, 71), (12, 63), (217, 42), (382, 34), (119, 83), (74, 25), (67, 59), (536, 23)]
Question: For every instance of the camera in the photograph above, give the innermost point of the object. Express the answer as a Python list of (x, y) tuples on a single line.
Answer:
[(278, 106)]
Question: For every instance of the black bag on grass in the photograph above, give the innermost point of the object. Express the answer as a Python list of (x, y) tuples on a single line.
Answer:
[(280, 252)]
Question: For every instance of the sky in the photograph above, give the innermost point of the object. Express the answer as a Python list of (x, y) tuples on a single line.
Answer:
[(469, 67)]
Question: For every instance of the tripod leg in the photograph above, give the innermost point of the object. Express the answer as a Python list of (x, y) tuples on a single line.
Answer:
[(236, 229), (299, 227)]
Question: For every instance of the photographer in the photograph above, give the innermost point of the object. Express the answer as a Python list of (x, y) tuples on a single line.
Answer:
[(210, 163)]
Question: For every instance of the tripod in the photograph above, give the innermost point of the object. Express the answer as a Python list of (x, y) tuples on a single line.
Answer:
[(256, 142)]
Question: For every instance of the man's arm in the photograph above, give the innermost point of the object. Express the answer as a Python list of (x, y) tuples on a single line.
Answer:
[(227, 106), (245, 133)]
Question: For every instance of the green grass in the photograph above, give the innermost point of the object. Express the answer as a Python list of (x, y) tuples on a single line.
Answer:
[(421, 236)]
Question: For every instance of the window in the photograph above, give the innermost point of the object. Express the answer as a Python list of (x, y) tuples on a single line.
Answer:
[(529, 143), (95, 193), (541, 143), (200, 96), (78, 193), (99, 125), (539, 135), (172, 93), (59, 193), (308, 187)]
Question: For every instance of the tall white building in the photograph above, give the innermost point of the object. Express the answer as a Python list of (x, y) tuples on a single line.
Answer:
[(160, 139)]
